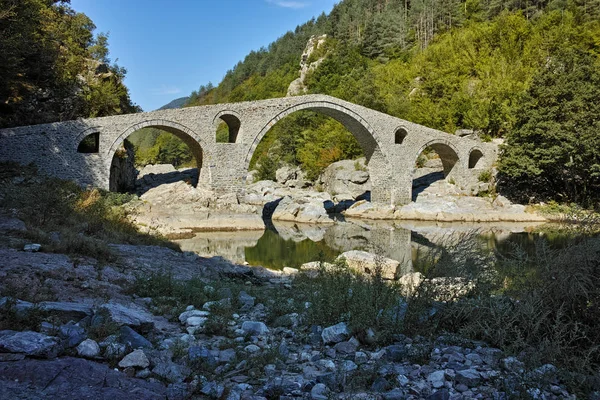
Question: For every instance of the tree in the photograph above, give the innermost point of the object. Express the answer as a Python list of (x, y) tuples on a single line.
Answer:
[(553, 153)]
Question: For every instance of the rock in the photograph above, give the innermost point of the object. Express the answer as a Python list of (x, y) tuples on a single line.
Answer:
[(183, 317), (304, 210), (201, 354), (133, 339), (114, 351), (402, 380), (246, 301), (348, 366), (178, 391), (197, 322), (360, 357), (88, 348), (437, 379), (212, 390), (72, 378), (410, 282), (32, 247), (368, 263), (396, 353), (12, 224), (71, 334), (226, 355), (394, 394), (130, 316), (171, 372), (32, 344), (319, 392), (442, 394), (66, 311), (348, 178), (135, 359), (252, 348), (345, 347), (468, 377), (380, 385), (335, 333), (254, 328), (512, 364)]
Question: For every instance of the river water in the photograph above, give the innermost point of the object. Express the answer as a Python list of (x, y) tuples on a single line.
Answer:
[(291, 245)]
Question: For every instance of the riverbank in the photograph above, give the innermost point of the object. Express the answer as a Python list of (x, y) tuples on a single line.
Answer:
[(78, 304), (177, 209), (206, 328)]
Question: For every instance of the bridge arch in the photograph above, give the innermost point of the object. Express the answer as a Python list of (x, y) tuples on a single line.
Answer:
[(354, 123), (188, 136), (364, 133), (448, 152), (233, 121)]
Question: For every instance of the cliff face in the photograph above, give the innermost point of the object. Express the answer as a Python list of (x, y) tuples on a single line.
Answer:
[(298, 87)]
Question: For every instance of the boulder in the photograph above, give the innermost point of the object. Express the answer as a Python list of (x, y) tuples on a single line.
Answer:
[(72, 378), (133, 339), (303, 210), (32, 344), (129, 315), (369, 263), (66, 311), (335, 334), (135, 359), (88, 348), (255, 328), (346, 178)]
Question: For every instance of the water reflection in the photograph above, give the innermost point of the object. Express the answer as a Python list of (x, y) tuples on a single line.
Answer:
[(291, 244)]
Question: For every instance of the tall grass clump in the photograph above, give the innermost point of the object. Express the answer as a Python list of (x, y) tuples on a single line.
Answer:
[(543, 307), (338, 294)]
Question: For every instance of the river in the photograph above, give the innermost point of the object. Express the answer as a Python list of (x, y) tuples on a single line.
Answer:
[(291, 245)]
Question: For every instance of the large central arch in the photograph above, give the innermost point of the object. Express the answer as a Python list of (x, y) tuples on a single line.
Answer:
[(355, 124), (189, 137)]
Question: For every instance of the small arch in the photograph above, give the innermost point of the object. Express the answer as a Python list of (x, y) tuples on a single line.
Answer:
[(90, 144), (447, 152), (228, 126), (400, 135), (475, 158)]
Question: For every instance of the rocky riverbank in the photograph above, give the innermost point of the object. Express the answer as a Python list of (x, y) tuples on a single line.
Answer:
[(179, 209), (88, 334)]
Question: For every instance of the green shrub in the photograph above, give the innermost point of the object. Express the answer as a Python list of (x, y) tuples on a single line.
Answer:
[(363, 301)]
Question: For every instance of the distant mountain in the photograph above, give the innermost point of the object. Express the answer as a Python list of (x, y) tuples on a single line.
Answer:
[(177, 103)]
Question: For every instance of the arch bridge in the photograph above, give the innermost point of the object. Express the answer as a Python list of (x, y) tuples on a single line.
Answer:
[(391, 145)]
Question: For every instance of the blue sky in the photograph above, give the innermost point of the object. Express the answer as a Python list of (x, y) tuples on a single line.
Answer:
[(171, 47)]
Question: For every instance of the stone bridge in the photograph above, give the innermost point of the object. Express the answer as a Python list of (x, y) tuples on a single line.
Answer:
[(391, 145)]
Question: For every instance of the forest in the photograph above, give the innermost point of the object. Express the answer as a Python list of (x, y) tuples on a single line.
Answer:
[(54, 67)]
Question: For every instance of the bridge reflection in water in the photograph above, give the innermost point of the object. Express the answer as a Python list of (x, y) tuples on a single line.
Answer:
[(291, 245)]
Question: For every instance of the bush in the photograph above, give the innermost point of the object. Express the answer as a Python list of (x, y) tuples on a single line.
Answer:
[(363, 301)]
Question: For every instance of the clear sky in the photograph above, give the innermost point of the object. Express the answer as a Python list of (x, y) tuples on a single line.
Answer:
[(171, 47)]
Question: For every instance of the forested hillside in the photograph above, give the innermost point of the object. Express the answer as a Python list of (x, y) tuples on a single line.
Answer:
[(53, 67), (446, 64)]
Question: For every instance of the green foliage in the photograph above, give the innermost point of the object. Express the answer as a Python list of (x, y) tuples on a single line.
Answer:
[(304, 138), (154, 146), (52, 63), (485, 176), (553, 151), (83, 221), (363, 301), (222, 133)]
